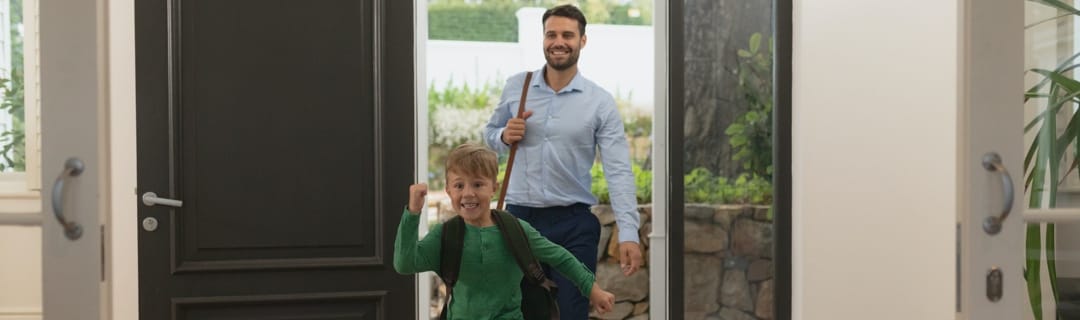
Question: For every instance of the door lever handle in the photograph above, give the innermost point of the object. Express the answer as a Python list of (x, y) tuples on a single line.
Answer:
[(151, 199)]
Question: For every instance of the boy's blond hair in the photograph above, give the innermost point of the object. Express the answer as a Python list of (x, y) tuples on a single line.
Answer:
[(473, 160)]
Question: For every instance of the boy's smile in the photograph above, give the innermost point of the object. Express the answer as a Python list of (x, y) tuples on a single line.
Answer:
[(471, 197)]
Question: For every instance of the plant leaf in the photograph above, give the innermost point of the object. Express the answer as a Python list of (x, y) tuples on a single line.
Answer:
[(1058, 4), (1031, 269), (1034, 121), (1072, 167), (1027, 163), (1051, 260), (1048, 141), (1064, 66), (1071, 97), (735, 128), (1060, 79), (755, 42), (1072, 131)]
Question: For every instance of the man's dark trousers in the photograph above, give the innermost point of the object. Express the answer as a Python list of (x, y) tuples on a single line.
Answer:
[(575, 228)]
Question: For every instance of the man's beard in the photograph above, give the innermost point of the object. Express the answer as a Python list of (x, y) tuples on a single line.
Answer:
[(571, 60)]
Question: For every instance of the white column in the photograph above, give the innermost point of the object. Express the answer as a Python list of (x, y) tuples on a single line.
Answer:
[(531, 37)]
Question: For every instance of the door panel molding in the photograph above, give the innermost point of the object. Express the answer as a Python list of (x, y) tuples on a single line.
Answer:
[(274, 264), (200, 24), (352, 305)]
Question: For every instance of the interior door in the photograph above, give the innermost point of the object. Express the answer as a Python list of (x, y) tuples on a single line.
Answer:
[(274, 154), (1044, 238), (989, 237), (73, 108)]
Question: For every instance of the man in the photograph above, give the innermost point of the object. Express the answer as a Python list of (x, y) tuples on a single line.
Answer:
[(568, 119)]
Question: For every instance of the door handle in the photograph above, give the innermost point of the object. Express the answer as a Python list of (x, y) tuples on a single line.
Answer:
[(992, 162), (151, 199), (72, 168)]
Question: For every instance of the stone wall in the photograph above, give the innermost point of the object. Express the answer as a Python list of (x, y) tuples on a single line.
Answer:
[(728, 262), (631, 293), (728, 266), (728, 270)]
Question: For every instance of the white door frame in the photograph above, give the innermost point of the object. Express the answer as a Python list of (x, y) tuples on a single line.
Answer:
[(122, 253), (420, 35), (658, 271), (658, 237)]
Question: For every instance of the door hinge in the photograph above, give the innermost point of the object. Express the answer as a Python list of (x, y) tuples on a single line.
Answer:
[(959, 268), (103, 246)]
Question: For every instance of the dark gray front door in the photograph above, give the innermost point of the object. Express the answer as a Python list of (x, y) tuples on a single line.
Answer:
[(286, 129)]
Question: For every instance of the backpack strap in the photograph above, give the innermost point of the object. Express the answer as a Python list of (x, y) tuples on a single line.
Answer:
[(452, 243), (518, 242)]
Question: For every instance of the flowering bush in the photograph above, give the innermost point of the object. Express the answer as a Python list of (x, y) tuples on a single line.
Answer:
[(453, 126)]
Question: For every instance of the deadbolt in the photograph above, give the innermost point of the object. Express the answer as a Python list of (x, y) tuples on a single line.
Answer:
[(994, 281), (149, 224)]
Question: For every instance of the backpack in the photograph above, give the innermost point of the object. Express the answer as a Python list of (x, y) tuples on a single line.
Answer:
[(537, 293)]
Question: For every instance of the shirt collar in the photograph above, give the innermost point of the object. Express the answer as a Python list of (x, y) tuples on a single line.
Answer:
[(576, 84)]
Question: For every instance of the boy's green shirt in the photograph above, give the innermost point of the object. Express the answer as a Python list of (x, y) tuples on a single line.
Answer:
[(489, 284)]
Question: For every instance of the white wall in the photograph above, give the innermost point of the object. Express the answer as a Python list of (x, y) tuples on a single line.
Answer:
[(874, 153), (473, 62), (20, 253), (20, 273), (620, 58)]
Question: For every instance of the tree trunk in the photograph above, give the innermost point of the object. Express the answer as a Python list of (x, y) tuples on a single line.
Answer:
[(714, 32)]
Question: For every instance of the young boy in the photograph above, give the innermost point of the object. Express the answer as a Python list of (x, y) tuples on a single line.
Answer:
[(488, 286)]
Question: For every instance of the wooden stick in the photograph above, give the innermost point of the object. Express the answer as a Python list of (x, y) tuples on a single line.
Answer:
[(513, 147)]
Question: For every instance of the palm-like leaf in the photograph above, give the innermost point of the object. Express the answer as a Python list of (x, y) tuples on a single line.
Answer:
[(1043, 165), (1044, 158), (1059, 5)]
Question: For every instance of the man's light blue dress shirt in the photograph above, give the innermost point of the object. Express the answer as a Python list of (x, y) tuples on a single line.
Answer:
[(553, 161)]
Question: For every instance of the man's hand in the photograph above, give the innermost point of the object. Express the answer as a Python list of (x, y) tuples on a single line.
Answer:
[(515, 129), (417, 192), (601, 300), (629, 257)]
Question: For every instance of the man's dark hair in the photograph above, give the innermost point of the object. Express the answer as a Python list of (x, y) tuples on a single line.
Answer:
[(566, 11)]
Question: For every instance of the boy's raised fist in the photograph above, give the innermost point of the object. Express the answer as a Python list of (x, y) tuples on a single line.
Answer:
[(417, 192)]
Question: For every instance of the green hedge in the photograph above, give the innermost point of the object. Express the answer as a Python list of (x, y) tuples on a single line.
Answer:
[(465, 22), (700, 186), (496, 20)]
